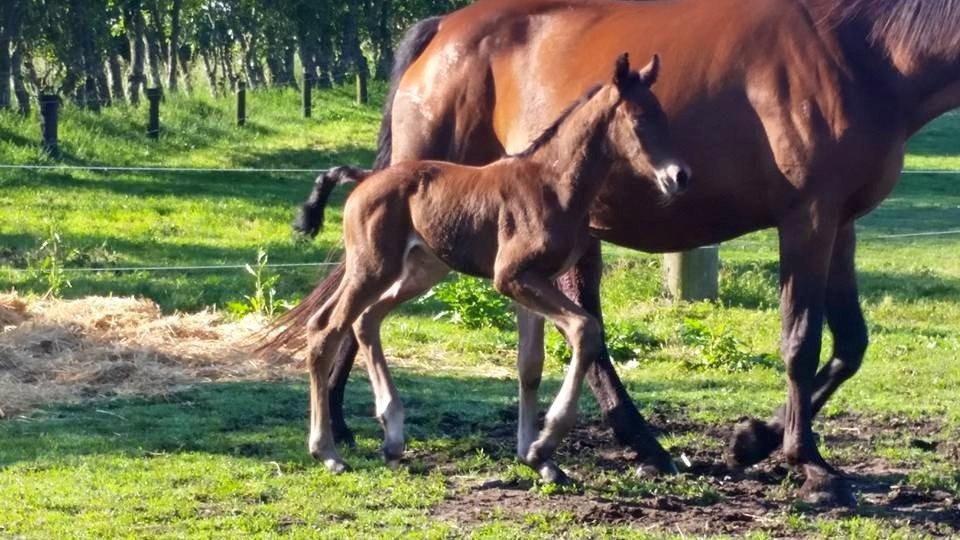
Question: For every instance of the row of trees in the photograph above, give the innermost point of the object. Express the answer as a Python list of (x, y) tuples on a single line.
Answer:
[(97, 52)]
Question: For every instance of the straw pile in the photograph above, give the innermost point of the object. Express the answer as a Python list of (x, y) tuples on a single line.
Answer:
[(54, 351)]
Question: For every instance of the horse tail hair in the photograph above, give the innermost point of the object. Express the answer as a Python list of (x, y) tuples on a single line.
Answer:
[(412, 45), (309, 220), (289, 331)]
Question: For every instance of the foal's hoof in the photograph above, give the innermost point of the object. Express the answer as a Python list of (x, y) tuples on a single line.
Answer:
[(649, 470), (336, 466), (828, 491), (551, 474), (753, 441)]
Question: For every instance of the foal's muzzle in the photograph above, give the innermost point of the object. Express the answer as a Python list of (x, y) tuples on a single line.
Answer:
[(673, 179)]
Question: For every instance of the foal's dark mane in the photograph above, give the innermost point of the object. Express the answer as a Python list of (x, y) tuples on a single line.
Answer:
[(551, 132), (916, 27)]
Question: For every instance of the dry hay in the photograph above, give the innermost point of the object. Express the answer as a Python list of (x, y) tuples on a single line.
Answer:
[(54, 351)]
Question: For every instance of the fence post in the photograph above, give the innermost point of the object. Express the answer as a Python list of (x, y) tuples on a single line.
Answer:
[(693, 275), (49, 113), (242, 103), (362, 96), (153, 125), (307, 94)]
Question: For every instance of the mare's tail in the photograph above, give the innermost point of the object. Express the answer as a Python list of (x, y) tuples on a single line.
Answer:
[(309, 220)]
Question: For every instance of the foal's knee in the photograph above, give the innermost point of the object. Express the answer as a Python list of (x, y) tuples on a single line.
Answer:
[(587, 335)]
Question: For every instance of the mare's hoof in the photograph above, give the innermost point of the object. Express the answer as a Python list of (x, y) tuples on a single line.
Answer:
[(551, 474), (392, 454), (753, 441), (828, 491)]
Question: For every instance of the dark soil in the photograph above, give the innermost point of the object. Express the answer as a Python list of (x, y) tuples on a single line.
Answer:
[(758, 499)]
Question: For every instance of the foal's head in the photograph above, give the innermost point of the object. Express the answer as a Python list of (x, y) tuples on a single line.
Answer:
[(637, 132)]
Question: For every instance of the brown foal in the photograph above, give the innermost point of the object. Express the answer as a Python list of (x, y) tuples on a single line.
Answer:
[(521, 221)]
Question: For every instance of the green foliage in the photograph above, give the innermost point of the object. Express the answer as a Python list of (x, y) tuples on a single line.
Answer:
[(624, 342), (46, 264), (753, 285), (263, 301), (473, 303), (719, 348)]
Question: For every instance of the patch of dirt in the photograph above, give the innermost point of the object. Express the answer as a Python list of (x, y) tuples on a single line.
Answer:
[(55, 351), (754, 501)]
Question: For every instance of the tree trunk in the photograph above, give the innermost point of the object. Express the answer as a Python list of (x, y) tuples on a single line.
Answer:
[(19, 88), (211, 70), (186, 59), (172, 79), (116, 76), (135, 23), (9, 34), (384, 39), (153, 59)]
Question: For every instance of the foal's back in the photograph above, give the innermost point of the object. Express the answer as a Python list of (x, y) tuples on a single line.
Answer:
[(459, 212)]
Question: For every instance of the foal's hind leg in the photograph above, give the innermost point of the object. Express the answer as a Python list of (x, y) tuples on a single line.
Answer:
[(419, 274), (583, 332), (326, 332)]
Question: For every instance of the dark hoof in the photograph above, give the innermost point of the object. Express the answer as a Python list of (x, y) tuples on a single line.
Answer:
[(551, 474), (828, 491), (392, 453), (753, 441)]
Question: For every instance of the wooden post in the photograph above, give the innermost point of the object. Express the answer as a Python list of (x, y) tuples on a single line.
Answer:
[(693, 275), (362, 96), (307, 94), (153, 124), (241, 103), (49, 116)]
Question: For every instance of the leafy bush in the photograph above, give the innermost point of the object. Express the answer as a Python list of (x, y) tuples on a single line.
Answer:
[(753, 286), (624, 342), (263, 301), (473, 303), (46, 264), (720, 349)]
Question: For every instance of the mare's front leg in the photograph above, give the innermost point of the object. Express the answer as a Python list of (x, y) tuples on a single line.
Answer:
[(755, 440), (806, 246), (582, 285)]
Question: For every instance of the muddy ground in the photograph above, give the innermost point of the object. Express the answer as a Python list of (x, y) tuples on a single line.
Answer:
[(757, 500)]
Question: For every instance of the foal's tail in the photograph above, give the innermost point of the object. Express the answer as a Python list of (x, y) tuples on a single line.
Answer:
[(309, 220), (289, 331)]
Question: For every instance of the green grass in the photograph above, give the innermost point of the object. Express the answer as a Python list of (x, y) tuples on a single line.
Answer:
[(229, 459)]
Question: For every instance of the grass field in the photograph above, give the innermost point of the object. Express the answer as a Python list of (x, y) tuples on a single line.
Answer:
[(228, 459)]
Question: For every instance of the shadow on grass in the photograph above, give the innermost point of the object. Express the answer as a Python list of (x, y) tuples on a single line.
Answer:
[(267, 421)]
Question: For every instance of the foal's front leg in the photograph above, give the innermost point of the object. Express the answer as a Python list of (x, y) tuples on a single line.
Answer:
[(530, 369), (583, 332)]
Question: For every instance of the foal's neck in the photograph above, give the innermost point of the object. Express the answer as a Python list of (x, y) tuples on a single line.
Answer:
[(576, 161)]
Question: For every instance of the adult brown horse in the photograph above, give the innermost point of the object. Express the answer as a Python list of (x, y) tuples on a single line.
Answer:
[(792, 113)]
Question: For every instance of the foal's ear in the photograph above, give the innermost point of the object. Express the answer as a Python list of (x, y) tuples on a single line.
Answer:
[(621, 71), (649, 74)]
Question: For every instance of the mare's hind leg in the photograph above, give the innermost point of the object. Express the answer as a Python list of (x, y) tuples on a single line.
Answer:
[(583, 333), (755, 440), (326, 332), (420, 272), (530, 370)]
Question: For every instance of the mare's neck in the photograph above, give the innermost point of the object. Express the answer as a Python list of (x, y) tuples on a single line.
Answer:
[(575, 161), (904, 51)]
